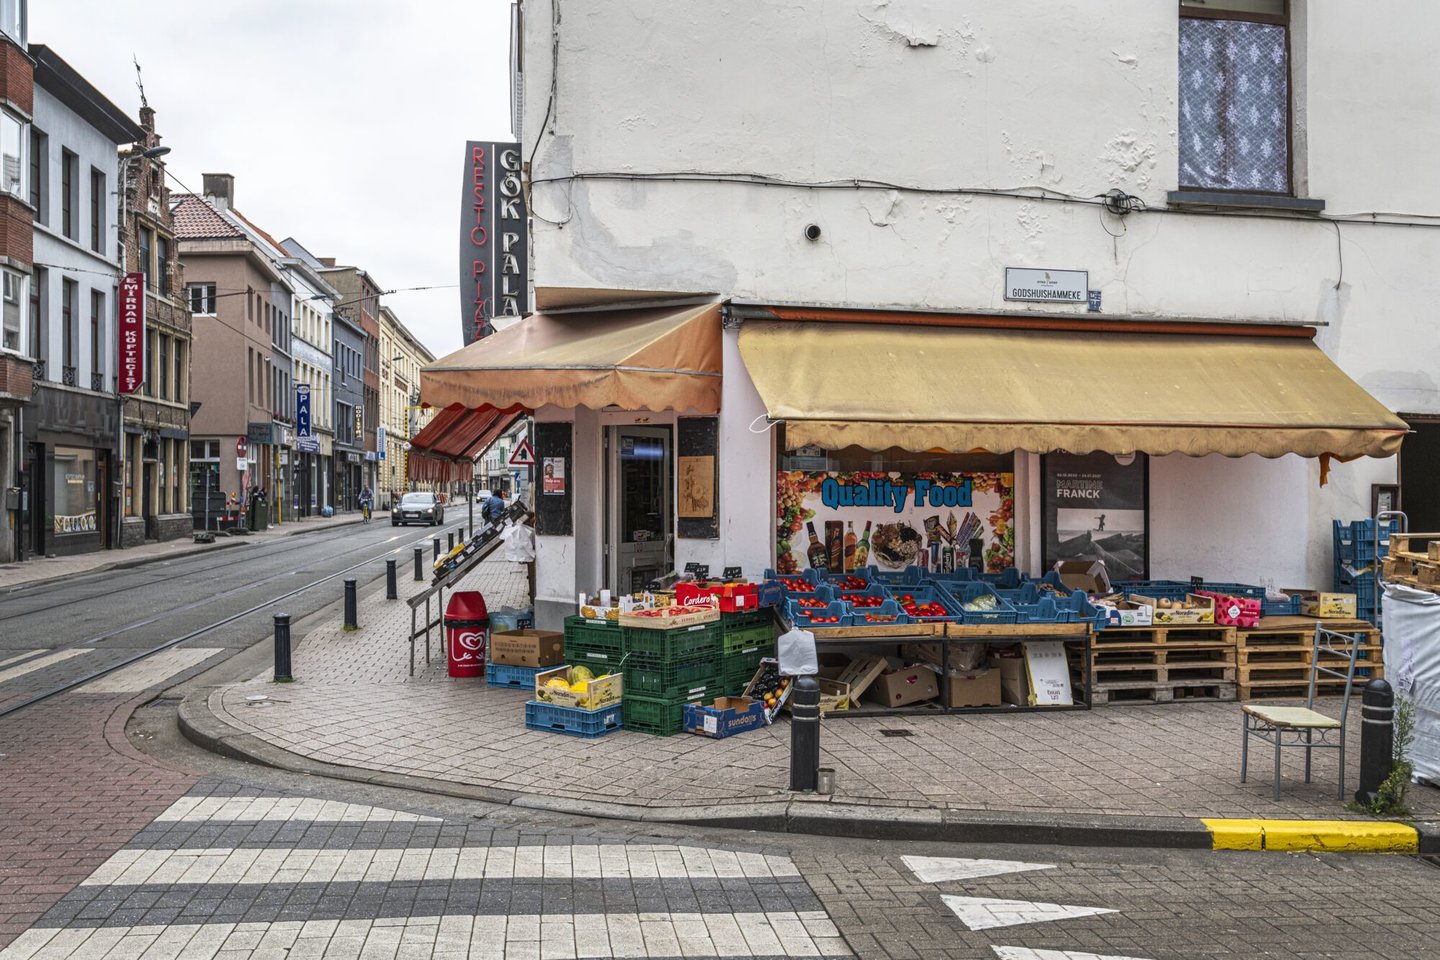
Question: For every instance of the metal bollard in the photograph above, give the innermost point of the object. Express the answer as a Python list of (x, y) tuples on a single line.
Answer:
[(390, 591), (419, 560), (804, 734), (282, 648), (450, 541), (1377, 739), (435, 548), (351, 620)]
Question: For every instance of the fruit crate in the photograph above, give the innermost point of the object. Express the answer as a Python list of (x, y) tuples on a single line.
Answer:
[(672, 678), (963, 593), (1007, 579), (929, 594), (677, 643), (592, 639), (504, 675), (747, 620), (887, 614), (572, 721), (755, 638), (807, 616), (599, 668), (870, 598), (658, 716), (905, 577)]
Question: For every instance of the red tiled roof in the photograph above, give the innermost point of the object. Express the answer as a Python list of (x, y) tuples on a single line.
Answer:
[(195, 219)]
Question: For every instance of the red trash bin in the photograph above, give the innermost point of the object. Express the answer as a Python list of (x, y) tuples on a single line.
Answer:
[(467, 628)]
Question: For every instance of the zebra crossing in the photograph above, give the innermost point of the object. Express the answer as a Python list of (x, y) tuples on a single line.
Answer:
[(231, 875)]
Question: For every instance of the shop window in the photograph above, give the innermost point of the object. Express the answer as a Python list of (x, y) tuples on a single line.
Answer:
[(72, 491), (10, 319), (1234, 120)]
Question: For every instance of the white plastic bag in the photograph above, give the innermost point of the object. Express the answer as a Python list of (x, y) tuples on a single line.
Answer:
[(797, 654), (519, 543)]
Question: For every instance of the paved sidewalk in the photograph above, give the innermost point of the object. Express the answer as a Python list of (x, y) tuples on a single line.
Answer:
[(50, 568), (354, 706)]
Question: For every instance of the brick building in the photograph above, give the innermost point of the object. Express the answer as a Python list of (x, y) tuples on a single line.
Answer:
[(16, 243)]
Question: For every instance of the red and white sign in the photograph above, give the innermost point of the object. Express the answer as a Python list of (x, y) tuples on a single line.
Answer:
[(523, 455), (242, 447), (132, 332)]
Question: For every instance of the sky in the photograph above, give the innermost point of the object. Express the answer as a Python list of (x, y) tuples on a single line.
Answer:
[(343, 121)]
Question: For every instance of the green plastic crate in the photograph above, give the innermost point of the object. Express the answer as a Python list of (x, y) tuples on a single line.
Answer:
[(685, 679), (660, 717), (678, 643), (735, 681), (745, 660), (749, 638), (748, 619), (586, 639)]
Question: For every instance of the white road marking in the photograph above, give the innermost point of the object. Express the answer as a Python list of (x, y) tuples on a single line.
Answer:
[(59, 656), (985, 913), (940, 869), (150, 671), (1026, 953), (309, 865), (805, 934), (252, 808), (21, 655)]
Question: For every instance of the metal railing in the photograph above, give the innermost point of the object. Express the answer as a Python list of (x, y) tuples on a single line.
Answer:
[(97, 382), (70, 376), (37, 370)]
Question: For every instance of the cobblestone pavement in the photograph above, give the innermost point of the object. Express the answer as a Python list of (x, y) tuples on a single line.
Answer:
[(354, 705)]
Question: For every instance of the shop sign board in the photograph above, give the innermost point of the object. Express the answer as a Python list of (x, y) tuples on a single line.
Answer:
[(935, 521), (1094, 508), (260, 433), (302, 410), (493, 238), (1047, 286), (132, 332)]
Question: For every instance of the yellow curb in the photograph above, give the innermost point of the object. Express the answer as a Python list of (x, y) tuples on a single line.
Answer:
[(1331, 836)]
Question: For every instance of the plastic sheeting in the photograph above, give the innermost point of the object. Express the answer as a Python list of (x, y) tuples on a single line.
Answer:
[(1412, 665)]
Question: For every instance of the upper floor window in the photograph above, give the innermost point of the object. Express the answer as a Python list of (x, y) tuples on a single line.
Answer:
[(10, 319), (39, 157), (12, 20), (97, 210), (1235, 95), (146, 245), (13, 167), (162, 265), (201, 297), (69, 194)]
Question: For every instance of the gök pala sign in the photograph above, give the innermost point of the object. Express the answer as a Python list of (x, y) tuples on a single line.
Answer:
[(493, 276)]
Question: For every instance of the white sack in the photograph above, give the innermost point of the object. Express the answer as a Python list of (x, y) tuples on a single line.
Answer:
[(797, 654)]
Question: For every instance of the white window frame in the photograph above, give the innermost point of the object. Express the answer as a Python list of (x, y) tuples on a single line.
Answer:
[(207, 297), (14, 299), (14, 156)]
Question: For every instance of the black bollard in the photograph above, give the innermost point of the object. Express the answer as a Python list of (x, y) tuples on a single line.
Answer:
[(390, 591), (804, 734), (450, 541), (419, 560), (435, 548), (282, 648), (351, 621), (1377, 739)]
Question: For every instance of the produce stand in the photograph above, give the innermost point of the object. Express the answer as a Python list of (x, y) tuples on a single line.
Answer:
[(1076, 636)]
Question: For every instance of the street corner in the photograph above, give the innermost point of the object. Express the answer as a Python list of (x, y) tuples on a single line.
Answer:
[(1314, 836)]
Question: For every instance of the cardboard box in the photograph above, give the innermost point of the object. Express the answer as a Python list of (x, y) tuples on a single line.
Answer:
[(834, 694), (976, 688), (1128, 613), (1014, 679), (1201, 611), (898, 688), (527, 648), (599, 693), (1087, 575), (1325, 605), (725, 717)]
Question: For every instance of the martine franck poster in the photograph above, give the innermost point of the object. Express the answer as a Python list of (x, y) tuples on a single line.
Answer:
[(1095, 510)]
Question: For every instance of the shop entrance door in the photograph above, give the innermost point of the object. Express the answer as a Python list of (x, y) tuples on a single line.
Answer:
[(147, 501), (640, 540), (1419, 466)]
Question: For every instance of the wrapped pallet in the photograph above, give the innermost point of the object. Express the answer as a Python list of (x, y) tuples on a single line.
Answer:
[(1412, 663)]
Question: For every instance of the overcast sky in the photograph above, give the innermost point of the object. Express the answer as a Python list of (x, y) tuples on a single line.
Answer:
[(343, 121)]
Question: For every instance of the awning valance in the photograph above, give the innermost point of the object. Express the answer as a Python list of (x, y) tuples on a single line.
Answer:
[(446, 447), (655, 358), (920, 387)]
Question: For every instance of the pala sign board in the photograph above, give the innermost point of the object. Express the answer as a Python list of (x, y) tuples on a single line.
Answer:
[(493, 238)]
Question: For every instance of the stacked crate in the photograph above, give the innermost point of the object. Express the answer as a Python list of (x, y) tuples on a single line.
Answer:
[(594, 643), (666, 669), (746, 638), (1275, 658), (1356, 557)]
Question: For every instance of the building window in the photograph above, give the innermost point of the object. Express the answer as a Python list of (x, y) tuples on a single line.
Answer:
[(97, 210), (39, 154), (165, 368), (1235, 95), (146, 244), (69, 194), (10, 319), (250, 371), (12, 20), (69, 333), (97, 340), (162, 265), (201, 297), (181, 384), (38, 347), (12, 155)]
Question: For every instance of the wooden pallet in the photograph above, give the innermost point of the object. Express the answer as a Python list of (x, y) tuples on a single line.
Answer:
[(1290, 690), (1298, 632), (1197, 633), (1162, 664), (1132, 692)]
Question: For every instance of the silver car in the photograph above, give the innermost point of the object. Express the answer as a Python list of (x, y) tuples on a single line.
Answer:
[(418, 508)]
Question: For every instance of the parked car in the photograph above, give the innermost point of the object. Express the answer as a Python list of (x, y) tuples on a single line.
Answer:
[(482, 495), (423, 508)]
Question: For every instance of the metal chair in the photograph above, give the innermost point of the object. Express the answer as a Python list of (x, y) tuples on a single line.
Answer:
[(1296, 726)]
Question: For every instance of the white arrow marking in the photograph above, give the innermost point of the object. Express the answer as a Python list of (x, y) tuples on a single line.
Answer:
[(940, 869), (983, 913), (1025, 953)]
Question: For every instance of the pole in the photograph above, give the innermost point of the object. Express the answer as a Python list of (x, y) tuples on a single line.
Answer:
[(390, 591), (450, 541), (1377, 739), (804, 734), (419, 556), (470, 501), (351, 622), (282, 648), (435, 548), (207, 497)]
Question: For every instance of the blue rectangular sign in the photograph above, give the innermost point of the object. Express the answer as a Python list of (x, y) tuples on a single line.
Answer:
[(302, 410)]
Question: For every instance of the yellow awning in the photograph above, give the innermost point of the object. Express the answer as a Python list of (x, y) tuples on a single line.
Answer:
[(923, 387), (656, 358)]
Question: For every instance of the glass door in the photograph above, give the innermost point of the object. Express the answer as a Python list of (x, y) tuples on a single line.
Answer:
[(641, 517)]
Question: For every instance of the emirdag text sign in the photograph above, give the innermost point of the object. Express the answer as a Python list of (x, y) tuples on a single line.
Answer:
[(132, 333), (493, 277)]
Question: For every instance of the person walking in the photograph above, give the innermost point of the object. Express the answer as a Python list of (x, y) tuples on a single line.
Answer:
[(366, 498)]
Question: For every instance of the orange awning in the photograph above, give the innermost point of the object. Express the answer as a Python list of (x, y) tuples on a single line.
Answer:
[(652, 358)]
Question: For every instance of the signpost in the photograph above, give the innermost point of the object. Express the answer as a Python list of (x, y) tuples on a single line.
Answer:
[(523, 455), (493, 238)]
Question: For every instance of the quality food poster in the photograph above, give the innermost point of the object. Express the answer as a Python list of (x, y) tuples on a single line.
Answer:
[(893, 520)]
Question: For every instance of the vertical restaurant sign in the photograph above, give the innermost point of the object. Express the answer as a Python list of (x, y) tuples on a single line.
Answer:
[(302, 410), (380, 442), (1094, 508), (937, 521), (493, 238), (132, 333)]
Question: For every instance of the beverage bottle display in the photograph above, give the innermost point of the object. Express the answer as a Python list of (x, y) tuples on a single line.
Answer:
[(835, 544), (852, 543), (862, 550), (815, 553)]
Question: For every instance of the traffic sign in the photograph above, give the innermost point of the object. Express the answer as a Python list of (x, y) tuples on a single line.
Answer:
[(524, 455), (242, 447)]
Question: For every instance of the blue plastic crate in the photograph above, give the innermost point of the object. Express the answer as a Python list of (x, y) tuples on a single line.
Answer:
[(1355, 541), (906, 576), (773, 592), (504, 675), (572, 721), (1155, 589), (928, 593), (877, 591), (1280, 608), (804, 616), (963, 593), (888, 612)]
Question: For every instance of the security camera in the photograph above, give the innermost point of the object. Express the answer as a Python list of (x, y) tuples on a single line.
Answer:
[(812, 231)]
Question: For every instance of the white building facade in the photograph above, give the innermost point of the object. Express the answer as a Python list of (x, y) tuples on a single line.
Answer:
[(1237, 164)]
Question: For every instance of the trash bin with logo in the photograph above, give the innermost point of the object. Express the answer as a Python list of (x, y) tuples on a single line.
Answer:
[(467, 629)]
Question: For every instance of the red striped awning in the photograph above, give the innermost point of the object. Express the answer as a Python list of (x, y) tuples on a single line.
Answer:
[(447, 447)]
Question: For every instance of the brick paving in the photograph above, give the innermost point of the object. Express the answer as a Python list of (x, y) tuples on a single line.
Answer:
[(354, 705)]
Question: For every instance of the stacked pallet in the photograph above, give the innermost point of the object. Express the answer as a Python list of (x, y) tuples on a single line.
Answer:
[(1274, 659), (1414, 560), (1163, 664)]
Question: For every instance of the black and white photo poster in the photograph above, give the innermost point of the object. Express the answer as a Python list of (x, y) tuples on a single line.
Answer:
[(1095, 509)]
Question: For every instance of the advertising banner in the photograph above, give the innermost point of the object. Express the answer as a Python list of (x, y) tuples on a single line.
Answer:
[(1094, 508), (493, 238), (938, 521), (132, 332), (302, 410)]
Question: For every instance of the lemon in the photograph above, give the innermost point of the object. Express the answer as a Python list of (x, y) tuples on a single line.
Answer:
[(557, 685), (580, 674)]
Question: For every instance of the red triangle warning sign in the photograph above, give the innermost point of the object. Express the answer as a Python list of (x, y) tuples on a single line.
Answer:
[(523, 455)]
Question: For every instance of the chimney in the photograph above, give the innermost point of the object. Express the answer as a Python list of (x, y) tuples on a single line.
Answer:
[(327, 261), (147, 119), (219, 187)]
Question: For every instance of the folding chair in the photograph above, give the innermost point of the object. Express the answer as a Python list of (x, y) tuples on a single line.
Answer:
[(1297, 726)]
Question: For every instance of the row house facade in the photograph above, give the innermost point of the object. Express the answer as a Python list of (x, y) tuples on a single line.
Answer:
[(359, 304), (312, 330), (401, 357), (17, 84)]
